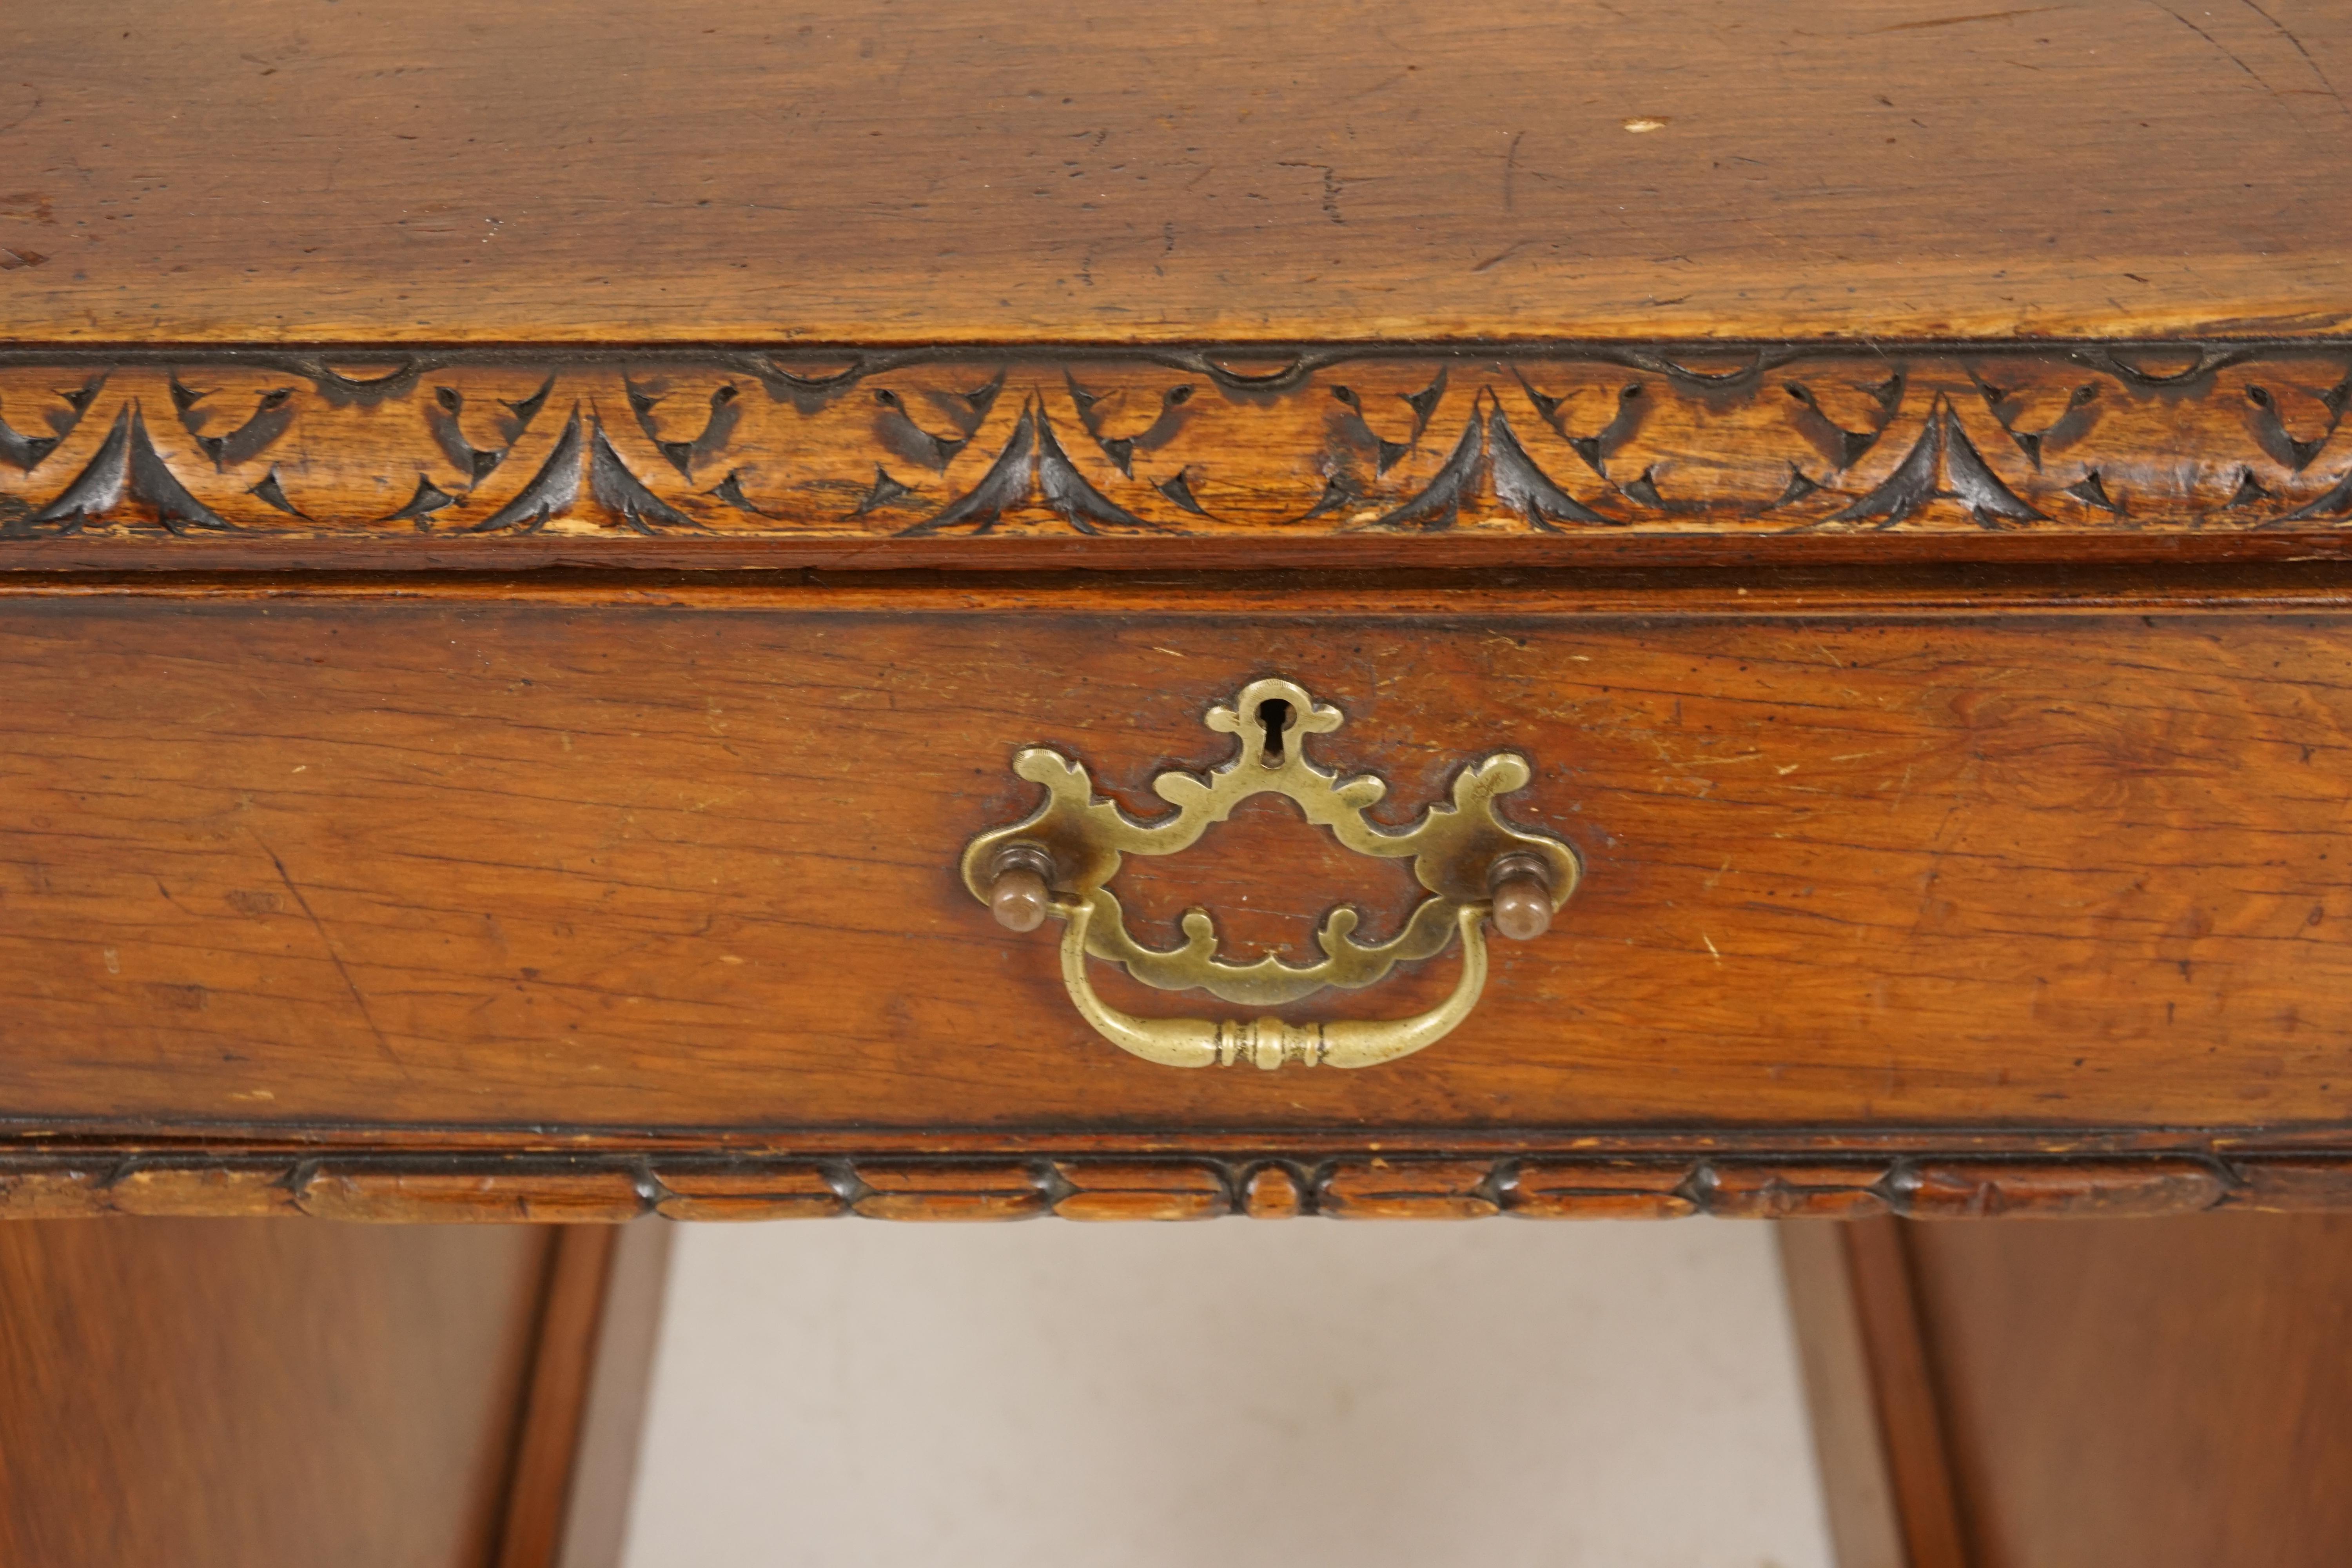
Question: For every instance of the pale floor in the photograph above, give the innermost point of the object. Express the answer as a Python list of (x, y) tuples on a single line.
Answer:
[(1235, 1393)]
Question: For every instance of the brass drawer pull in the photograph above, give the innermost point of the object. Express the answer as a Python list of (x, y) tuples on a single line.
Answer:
[(1476, 865)]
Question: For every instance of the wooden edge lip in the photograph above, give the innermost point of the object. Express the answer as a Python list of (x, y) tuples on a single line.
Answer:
[(2202, 345), (229, 559), (429, 1146), (720, 1148), (2312, 584), (611, 1188)]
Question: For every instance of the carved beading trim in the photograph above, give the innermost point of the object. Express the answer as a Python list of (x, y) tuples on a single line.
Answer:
[(769, 445), (409, 1187)]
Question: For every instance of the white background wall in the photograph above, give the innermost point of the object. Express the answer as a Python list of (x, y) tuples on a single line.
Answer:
[(1227, 1394)]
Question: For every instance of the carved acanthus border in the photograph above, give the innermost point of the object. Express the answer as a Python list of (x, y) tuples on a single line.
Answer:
[(759, 444), (411, 1187)]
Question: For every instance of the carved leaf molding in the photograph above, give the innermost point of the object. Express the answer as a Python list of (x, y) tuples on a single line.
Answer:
[(759, 444)]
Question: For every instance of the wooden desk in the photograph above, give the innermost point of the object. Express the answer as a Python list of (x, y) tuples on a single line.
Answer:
[(531, 548)]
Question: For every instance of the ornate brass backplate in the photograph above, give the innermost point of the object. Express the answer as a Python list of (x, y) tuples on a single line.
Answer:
[(1060, 859)]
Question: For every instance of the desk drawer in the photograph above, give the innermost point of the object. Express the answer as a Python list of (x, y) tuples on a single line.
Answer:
[(522, 873)]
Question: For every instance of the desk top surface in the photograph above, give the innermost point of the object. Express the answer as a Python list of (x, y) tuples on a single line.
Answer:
[(874, 173)]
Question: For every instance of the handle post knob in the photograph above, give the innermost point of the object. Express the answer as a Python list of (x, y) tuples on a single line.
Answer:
[(1522, 896), (1021, 889)]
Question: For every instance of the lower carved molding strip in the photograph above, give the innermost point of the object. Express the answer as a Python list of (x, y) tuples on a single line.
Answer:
[(755, 445), (411, 1188)]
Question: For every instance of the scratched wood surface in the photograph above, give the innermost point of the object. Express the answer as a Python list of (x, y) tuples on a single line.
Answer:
[(442, 170), (364, 860)]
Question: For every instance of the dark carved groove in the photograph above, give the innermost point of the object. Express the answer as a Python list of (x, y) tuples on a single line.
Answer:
[(1065, 489), (1005, 484), (899, 433), (2124, 365), (1437, 507), (886, 492), (1120, 450), (2082, 416), (441, 418), (2093, 491), (1179, 490), (28, 452), (1798, 488), (2278, 441), (152, 482), (1840, 448), (1744, 379), (1942, 450), (1976, 484), (1597, 448), (429, 499), (1289, 377), (610, 481), (366, 392), (25, 452), (551, 492), (1909, 488), (127, 466), (2336, 502), (524, 411), (1388, 453), (1525, 489), (271, 492), (98, 487), (715, 429), (731, 491), (273, 416), (1338, 496)]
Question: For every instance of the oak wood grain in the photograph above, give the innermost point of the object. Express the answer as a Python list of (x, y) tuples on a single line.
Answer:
[(277, 863), (873, 173)]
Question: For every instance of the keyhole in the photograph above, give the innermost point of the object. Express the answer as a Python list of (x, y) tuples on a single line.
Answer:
[(1273, 717)]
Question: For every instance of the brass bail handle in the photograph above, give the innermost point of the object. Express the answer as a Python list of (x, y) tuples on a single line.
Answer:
[(1477, 868)]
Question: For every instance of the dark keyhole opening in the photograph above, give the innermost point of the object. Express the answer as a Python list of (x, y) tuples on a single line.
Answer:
[(1274, 718)]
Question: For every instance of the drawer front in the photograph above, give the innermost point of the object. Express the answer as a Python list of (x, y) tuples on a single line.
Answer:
[(691, 868)]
